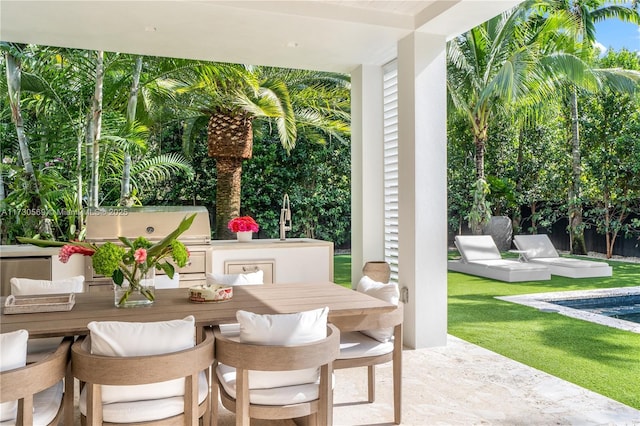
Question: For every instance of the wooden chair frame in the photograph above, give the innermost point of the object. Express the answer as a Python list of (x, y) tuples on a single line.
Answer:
[(23, 383), (96, 370), (369, 322), (245, 357)]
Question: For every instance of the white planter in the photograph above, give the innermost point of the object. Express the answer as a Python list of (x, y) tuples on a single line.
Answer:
[(244, 237)]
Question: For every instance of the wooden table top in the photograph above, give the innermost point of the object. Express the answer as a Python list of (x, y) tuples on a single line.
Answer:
[(174, 304)]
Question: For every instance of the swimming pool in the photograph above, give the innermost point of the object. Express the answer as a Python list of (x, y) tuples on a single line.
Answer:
[(613, 307), (625, 307)]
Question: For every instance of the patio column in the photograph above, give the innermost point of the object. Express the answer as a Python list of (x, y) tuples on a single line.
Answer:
[(422, 233), (367, 174)]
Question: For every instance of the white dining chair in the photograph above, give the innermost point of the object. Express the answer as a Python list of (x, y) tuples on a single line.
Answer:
[(279, 367), (374, 339), (40, 347), (160, 377), (33, 394)]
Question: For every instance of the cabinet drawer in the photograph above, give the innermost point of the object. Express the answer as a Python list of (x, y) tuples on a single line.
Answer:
[(248, 266)]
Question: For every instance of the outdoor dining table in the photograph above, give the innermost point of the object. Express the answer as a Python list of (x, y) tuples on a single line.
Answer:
[(174, 304)]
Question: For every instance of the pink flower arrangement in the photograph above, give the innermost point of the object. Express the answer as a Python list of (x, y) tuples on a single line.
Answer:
[(67, 250), (140, 255), (243, 224)]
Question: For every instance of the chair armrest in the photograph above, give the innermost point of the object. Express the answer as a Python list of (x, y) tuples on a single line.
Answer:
[(33, 378), (370, 321), (277, 358), (138, 370)]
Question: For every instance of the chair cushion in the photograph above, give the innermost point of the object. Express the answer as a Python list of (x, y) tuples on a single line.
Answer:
[(230, 330), (123, 339), (280, 396), (47, 404), (354, 344), (282, 329), (535, 246), (29, 287), (388, 292), (252, 278), (147, 410), (477, 247), (13, 354)]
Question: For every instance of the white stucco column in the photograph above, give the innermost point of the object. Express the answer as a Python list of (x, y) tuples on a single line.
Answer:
[(422, 254), (367, 174)]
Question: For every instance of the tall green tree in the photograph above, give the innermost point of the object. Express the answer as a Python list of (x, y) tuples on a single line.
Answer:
[(585, 14), (611, 138), (14, 86), (231, 97), (492, 67)]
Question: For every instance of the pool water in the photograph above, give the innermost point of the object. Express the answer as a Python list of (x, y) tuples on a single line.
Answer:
[(624, 307)]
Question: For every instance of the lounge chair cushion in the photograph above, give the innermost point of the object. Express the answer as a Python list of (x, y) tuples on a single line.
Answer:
[(252, 278), (27, 286), (13, 354), (121, 339), (477, 247), (535, 246), (282, 329), (388, 292)]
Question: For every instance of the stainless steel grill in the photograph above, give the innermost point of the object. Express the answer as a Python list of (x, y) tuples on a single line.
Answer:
[(154, 223)]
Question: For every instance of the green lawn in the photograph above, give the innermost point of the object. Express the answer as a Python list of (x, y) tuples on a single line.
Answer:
[(603, 359), (342, 269)]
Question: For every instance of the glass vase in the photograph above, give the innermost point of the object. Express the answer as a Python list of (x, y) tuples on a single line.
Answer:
[(139, 292)]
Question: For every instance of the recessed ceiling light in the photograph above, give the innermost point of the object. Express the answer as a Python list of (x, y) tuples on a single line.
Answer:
[(293, 44), (150, 29)]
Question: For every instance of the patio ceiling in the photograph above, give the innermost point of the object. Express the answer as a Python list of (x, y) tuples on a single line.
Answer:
[(335, 35)]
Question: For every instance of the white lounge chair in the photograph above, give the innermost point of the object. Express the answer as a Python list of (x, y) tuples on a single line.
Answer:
[(481, 257), (540, 250)]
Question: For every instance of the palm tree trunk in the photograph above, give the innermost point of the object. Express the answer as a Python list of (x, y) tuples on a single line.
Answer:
[(2, 193), (229, 172), (125, 185), (576, 227), (480, 213), (14, 74), (480, 141), (96, 125)]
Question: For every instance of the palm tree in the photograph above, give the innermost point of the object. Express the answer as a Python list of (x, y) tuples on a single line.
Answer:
[(231, 97), (489, 69), (585, 14), (14, 86), (515, 59)]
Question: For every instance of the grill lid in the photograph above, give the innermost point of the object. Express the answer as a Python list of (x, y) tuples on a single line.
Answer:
[(152, 222)]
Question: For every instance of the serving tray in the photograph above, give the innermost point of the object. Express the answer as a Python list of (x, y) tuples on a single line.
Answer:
[(35, 304)]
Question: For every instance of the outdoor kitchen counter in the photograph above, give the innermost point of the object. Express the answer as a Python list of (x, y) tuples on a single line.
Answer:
[(293, 260), (27, 261), (270, 243), (27, 250)]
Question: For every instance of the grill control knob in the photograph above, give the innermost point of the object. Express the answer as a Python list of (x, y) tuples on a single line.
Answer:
[(150, 229)]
